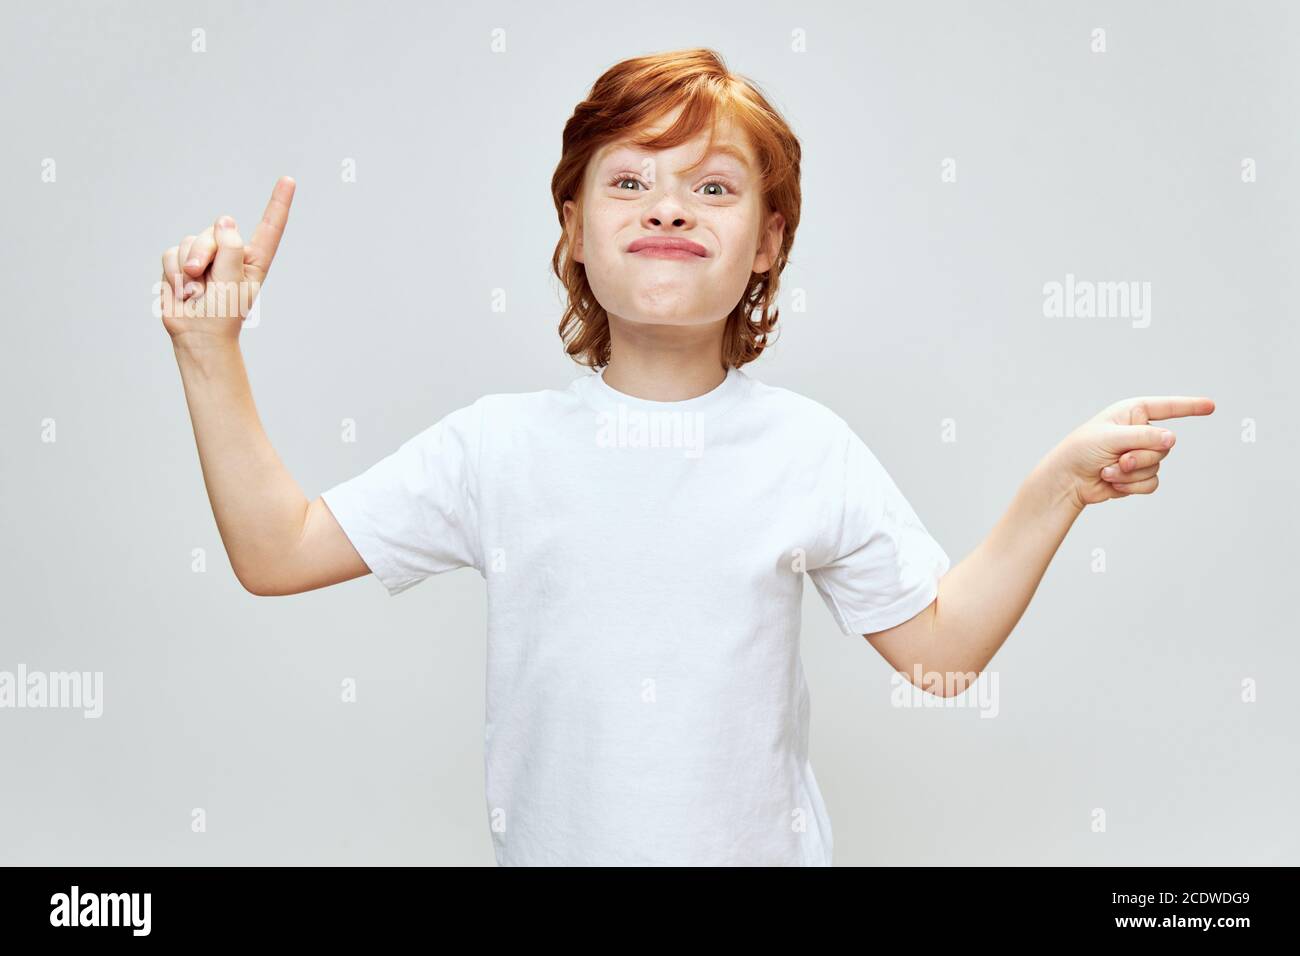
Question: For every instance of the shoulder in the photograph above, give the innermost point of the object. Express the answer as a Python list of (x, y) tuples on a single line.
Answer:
[(797, 411), (509, 411), (509, 406)]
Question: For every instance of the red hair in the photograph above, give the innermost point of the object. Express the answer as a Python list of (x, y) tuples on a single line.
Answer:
[(632, 95)]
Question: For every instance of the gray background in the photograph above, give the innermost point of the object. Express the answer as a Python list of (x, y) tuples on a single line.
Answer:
[(1118, 690)]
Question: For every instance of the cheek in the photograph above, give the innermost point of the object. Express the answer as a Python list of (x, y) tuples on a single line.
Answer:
[(599, 238), (738, 252), (740, 233)]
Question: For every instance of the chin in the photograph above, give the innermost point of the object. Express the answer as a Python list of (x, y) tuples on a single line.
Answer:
[(668, 306), (671, 320), (684, 314)]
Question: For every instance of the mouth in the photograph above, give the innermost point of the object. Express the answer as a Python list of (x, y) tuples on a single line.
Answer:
[(667, 249)]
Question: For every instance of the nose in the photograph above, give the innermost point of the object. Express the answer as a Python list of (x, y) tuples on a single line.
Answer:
[(666, 209)]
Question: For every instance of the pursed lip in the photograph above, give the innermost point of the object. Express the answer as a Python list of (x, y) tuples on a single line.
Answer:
[(664, 242)]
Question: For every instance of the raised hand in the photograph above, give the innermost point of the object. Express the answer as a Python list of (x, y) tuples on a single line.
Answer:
[(1118, 452), (211, 279)]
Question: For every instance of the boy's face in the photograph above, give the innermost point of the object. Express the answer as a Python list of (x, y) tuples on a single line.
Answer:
[(633, 194)]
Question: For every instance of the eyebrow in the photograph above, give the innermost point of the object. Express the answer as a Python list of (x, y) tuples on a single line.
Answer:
[(720, 149)]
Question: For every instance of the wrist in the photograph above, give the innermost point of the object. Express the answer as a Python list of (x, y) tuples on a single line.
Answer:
[(205, 354), (1055, 486)]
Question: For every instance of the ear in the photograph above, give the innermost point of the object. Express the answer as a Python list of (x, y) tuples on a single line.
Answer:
[(573, 227), (769, 243)]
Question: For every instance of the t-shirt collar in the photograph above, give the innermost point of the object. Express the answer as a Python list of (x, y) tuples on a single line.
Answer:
[(603, 396)]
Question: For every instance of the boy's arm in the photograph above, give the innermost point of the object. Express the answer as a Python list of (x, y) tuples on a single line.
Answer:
[(277, 541), (984, 596), (981, 599)]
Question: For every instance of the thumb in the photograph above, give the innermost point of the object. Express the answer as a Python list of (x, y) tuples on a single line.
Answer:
[(1122, 438), (228, 266)]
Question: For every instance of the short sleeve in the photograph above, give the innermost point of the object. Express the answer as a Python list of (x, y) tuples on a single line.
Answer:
[(884, 567), (415, 512)]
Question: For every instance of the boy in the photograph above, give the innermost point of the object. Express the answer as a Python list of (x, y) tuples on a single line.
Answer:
[(644, 533)]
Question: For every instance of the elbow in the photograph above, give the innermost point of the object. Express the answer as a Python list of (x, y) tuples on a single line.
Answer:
[(255, 585), (944, 684), (254, 589), (956, 684)]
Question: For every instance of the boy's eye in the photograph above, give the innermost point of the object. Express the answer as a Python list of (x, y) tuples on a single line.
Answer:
[(622, 178)]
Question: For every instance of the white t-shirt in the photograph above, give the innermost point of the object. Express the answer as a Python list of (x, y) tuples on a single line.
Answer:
[(646, 701)]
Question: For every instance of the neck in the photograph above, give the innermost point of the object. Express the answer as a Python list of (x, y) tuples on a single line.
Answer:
[(665, 363)]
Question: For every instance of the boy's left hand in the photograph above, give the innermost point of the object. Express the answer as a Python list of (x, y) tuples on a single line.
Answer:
[(1117, 453)]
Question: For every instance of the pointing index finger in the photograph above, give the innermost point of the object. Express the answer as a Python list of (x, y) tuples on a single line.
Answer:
[(266, 238), (1176, 406)]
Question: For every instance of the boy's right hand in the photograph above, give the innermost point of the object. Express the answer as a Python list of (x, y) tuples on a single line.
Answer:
[(210, 280)]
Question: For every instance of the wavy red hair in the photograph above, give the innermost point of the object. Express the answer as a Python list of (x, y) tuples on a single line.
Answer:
[(631, 96)]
